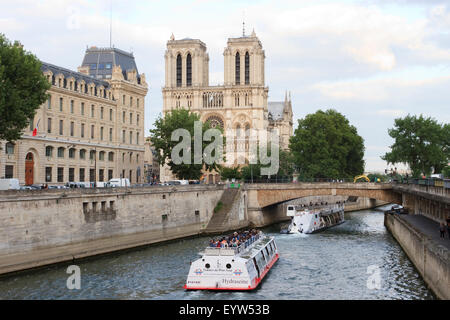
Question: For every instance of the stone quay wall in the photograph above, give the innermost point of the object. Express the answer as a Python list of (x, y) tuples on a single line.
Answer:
[(50, 226), (431, 259)]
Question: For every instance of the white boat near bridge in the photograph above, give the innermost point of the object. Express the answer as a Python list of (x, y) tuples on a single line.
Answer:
[(314, 220)]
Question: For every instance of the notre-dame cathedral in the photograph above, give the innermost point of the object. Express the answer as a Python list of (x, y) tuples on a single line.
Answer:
[(239, 104)]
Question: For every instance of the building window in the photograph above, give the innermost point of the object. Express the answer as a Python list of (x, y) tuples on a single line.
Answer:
[(92, 110), (179, 70), (247, 68), (93, 66), (123, 116), (72, 153), (49, 102), (131, 175), (189, 70), (123, 136), (110, 174), (110, 134), (101, 175), (101, 113), (101, 156), (111, 156), (71, 106), (108, 66), (82, 109), (82, 154), (101, 133), (49, 125), (131, 137), (123, 99), (92, 131), (49, 151), (92, 155), (61, 127), (238, 68), (60, 174), (48, 174), (92, 175), (131, 101), (60, 152), (61, 104), (82, 130), (9, 148), (110, 115), (131, 118), (81, 174), (137, 119), (72, 128), (71, 174), (137, 103), (9, 172)]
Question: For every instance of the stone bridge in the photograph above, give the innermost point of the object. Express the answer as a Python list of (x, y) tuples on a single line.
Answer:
[(433, 202), (261, 196)]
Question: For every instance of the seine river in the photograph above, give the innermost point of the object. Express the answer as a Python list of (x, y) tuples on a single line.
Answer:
[(334, 264)]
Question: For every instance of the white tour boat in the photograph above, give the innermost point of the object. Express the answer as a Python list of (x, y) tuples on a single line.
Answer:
[(233, 268), (314, 220)]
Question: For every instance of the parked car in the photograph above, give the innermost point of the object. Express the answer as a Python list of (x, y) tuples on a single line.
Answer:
[(9, 184), (114, 183), (26, 188)]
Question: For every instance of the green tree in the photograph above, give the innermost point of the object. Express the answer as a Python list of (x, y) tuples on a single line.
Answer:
[(446, 172), (23, 88), (230, 173), (161, 137), (285, 169), (422, 143), (325, 145)]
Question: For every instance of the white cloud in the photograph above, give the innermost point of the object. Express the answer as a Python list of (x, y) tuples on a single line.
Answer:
[(394, 113)]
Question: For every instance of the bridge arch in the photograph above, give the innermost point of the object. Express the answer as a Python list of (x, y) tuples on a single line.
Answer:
[(264, 195)]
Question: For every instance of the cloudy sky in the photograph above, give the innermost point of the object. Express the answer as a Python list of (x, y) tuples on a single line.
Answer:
[(372, 61)]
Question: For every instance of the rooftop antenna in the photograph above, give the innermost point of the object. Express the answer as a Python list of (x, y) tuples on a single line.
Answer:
[(110, 26), (243, 23)]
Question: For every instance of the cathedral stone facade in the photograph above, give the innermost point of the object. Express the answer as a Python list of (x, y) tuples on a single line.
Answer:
[(240, 104)]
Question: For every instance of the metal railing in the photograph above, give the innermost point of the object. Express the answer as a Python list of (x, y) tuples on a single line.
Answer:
[(229, 251)]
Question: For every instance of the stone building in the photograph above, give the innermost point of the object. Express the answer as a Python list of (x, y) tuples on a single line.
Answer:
[(240, 104), (90, 129)]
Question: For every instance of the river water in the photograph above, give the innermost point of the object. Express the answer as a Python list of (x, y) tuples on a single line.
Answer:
[(340, 263)]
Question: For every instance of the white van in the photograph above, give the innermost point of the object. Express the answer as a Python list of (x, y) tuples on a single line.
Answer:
[(113, 183), (9, 184), (178, 182)]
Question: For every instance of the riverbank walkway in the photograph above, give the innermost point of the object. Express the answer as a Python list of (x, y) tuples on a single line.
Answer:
[(428, 227)]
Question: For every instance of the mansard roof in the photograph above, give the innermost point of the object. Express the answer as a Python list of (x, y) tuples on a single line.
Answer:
[(69, 73), (101, 57)]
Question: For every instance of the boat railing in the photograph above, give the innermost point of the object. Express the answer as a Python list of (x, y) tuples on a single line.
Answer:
[(231, 251)]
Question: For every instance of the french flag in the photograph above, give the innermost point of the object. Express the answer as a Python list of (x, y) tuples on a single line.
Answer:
[(35, 129)]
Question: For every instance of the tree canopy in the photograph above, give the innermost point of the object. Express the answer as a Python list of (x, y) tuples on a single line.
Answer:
[(325, 145), (23, 88), (161, 137), (422, 143)]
